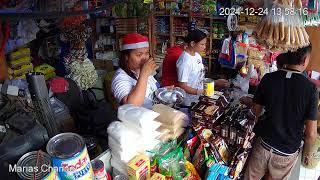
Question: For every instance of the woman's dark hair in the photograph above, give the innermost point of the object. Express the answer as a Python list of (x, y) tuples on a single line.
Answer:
[(196, 35), (294, 57), (123, 62)]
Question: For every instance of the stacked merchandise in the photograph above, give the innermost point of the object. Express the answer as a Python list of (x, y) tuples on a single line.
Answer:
[(256, 58), (248, 21), (125, 26), (136, 133), (162, 25), (204, 7), (180, 8), (139, 167), (282, 29), (47, 70), (168, 159), (224, 142), (207, 111), (227, 56), (253, 60), (79, 68), (172, 122), (218, 30), (180, 26), (311, 15), (20, 64)]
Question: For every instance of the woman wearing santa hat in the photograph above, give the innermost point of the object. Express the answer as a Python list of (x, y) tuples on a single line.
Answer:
[(133, 82)]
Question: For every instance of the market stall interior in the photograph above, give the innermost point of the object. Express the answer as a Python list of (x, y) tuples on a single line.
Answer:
[(58, 108)]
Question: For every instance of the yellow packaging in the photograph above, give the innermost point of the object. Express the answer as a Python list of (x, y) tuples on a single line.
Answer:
[(17, 77), (139, 168), (158, 176), (20, 53), (44, 69), (208, 87), (22, 70), (20, 62), (49, 76)]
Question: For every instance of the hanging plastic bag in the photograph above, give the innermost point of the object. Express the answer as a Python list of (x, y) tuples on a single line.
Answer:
[(242, 83), (172, 165), (282, 29)]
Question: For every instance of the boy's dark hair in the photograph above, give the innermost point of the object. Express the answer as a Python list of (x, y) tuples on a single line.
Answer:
[(295, 57), (196, 35)]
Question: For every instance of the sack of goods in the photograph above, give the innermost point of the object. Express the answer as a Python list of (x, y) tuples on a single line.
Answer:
[(136, 133), (20, 64), (172, 122)]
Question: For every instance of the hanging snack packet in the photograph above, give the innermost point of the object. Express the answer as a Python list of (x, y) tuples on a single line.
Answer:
[(193, 174), (199, 161), (191, 147)]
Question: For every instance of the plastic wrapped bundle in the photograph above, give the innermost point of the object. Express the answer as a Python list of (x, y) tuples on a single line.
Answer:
[(169, 116), (139, 118), (118, 131), (282, 29), (83, 73), (119, 165), (123, 141)]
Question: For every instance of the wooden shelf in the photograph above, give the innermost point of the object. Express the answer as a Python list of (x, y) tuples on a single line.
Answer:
[(180, 16), (217, 39), (100, 50), (202, 17), (179, 35), (162, 15), (189, 17), (219, 18), (162, 34)]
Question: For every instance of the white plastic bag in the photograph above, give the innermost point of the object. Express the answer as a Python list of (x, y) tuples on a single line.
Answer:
[(119, 165), (141, 118), (122, 133), (242, 83), (123, 109)]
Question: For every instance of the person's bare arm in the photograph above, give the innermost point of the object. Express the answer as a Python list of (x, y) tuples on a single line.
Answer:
[(189, 89), (222, 83), (138, 93), (256, 109), (310, 132)]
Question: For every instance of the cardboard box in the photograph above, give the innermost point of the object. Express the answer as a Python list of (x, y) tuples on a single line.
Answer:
[(139, 168)]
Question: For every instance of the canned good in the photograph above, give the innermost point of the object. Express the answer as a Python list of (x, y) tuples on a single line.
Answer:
[(70, 156), (98, 170), (36, 165), (208, 87)]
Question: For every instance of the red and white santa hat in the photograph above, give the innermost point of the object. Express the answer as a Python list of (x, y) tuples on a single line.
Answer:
[(134, 41)]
